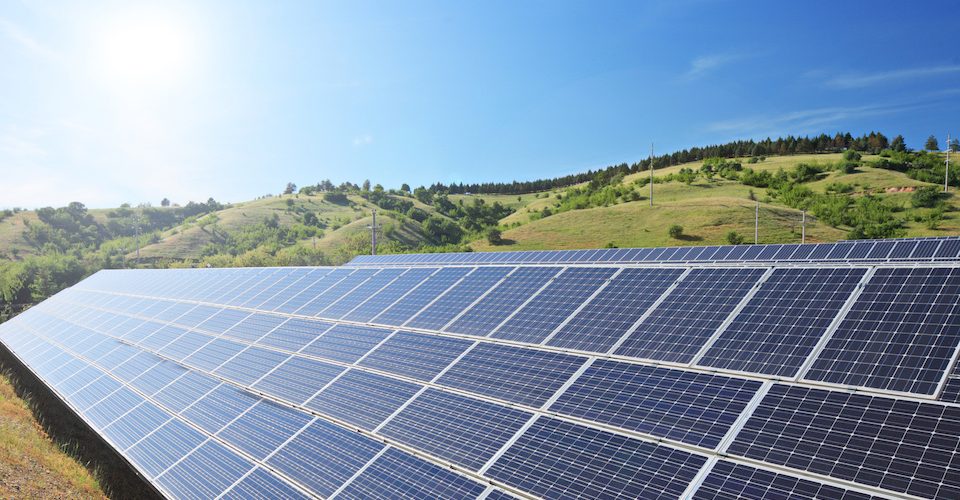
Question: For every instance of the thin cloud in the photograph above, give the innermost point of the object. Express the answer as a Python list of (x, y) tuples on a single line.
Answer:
[(702, 65), (362, 140), (17, 35), (808, 120), (860, 80)]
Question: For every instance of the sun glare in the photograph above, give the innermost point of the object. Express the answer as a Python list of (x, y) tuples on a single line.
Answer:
[(145, 50)]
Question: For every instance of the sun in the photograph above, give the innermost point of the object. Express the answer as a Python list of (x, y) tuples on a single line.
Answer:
[(145, 50)]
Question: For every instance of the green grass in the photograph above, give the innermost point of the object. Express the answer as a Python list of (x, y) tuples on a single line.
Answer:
[(31, 464)]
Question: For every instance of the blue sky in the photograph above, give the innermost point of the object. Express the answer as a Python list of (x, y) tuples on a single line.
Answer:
[(111, 102)]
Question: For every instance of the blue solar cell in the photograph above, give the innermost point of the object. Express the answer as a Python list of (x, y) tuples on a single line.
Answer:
[(599, 325), (160, 338), (316, 288), (330, 295), (363, 399), (297, 379), (559, 459), (263, 484), (732, 481), (490, 311), (362, 292), (214, 354), (185, 390), (135, 366), (263, 428), (900, 334), (511, 373), (255, 326), (219, 407), (251, 364), (685, 320), (396, 474), (389, 294), (164, 447), (414, 301), (282, 296), (462, 430), (134, 425), (295, 333), (157, 377), (695, 408), (458, 298), (264, 293), (346, 343), (539, 317), (204, 473), (415, 355), (780, 325), (112, 407), (186, 344), (324, 456), (894, 444)]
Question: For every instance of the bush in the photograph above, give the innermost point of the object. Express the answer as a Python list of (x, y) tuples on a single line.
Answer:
[(734, 238), (925, 197), (494, 236), (675, 231), (851, 155)]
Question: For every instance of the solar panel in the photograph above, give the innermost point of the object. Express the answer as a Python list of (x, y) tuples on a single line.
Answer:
[(688, 317), (900, 334), (781, 324), (713, 372), (611, 314)]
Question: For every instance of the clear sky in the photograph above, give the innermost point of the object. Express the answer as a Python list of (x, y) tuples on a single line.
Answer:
[(111, 102)]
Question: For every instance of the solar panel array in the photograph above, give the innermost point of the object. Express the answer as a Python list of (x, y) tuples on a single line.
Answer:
[(507, 377)]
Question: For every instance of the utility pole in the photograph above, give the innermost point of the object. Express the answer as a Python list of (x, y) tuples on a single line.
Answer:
[(803, 227), (373, 234), (946, 172), (651, 174), (756, 225)]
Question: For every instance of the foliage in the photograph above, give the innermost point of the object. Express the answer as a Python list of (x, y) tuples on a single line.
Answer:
[(926, 197), (675, 231), (734, 238), (494, 237), (931, 144)]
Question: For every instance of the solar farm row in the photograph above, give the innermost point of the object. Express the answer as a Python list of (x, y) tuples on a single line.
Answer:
[(899, 250), (499, 381)]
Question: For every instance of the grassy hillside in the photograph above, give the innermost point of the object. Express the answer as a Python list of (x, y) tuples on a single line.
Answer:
[(31, 465)]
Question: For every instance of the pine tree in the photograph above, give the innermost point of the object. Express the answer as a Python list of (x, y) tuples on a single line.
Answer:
[(932, 144), (898, 144)]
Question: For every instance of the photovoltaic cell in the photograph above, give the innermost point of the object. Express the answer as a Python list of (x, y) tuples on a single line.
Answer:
[(330, 295), (324, 456), (362, 398), (264, 484), (900, 334), (512, 373), (539, 317), (361, 293), (297, 379), (389, 294), (894, 444), (263, 428), (415, 355), (458, 298), (490, 311), (610, 314), (780, 325), (396, 474), (463, 430), (308, 293), (560, 459), (413, 302), (678, 327), (294, 334), (204, 473), (695, 408), (346, 343), (732, 481)]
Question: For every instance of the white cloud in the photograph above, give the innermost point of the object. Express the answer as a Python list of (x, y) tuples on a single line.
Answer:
[(17, 35), (860, 80), (362, 140), (807, 120), (702, 65)]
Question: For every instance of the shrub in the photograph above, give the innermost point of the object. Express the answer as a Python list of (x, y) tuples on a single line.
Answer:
[(851, 155), (494, 237), (734, 238), (925, 197), (675, 231)]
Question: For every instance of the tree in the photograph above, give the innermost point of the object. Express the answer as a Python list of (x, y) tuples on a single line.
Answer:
[(405, 188), (164, 202), (931, 144), (675, 231), (734, 238), (954, 145), (366, 185), (898, 144), (494, 237), (291, 187)]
